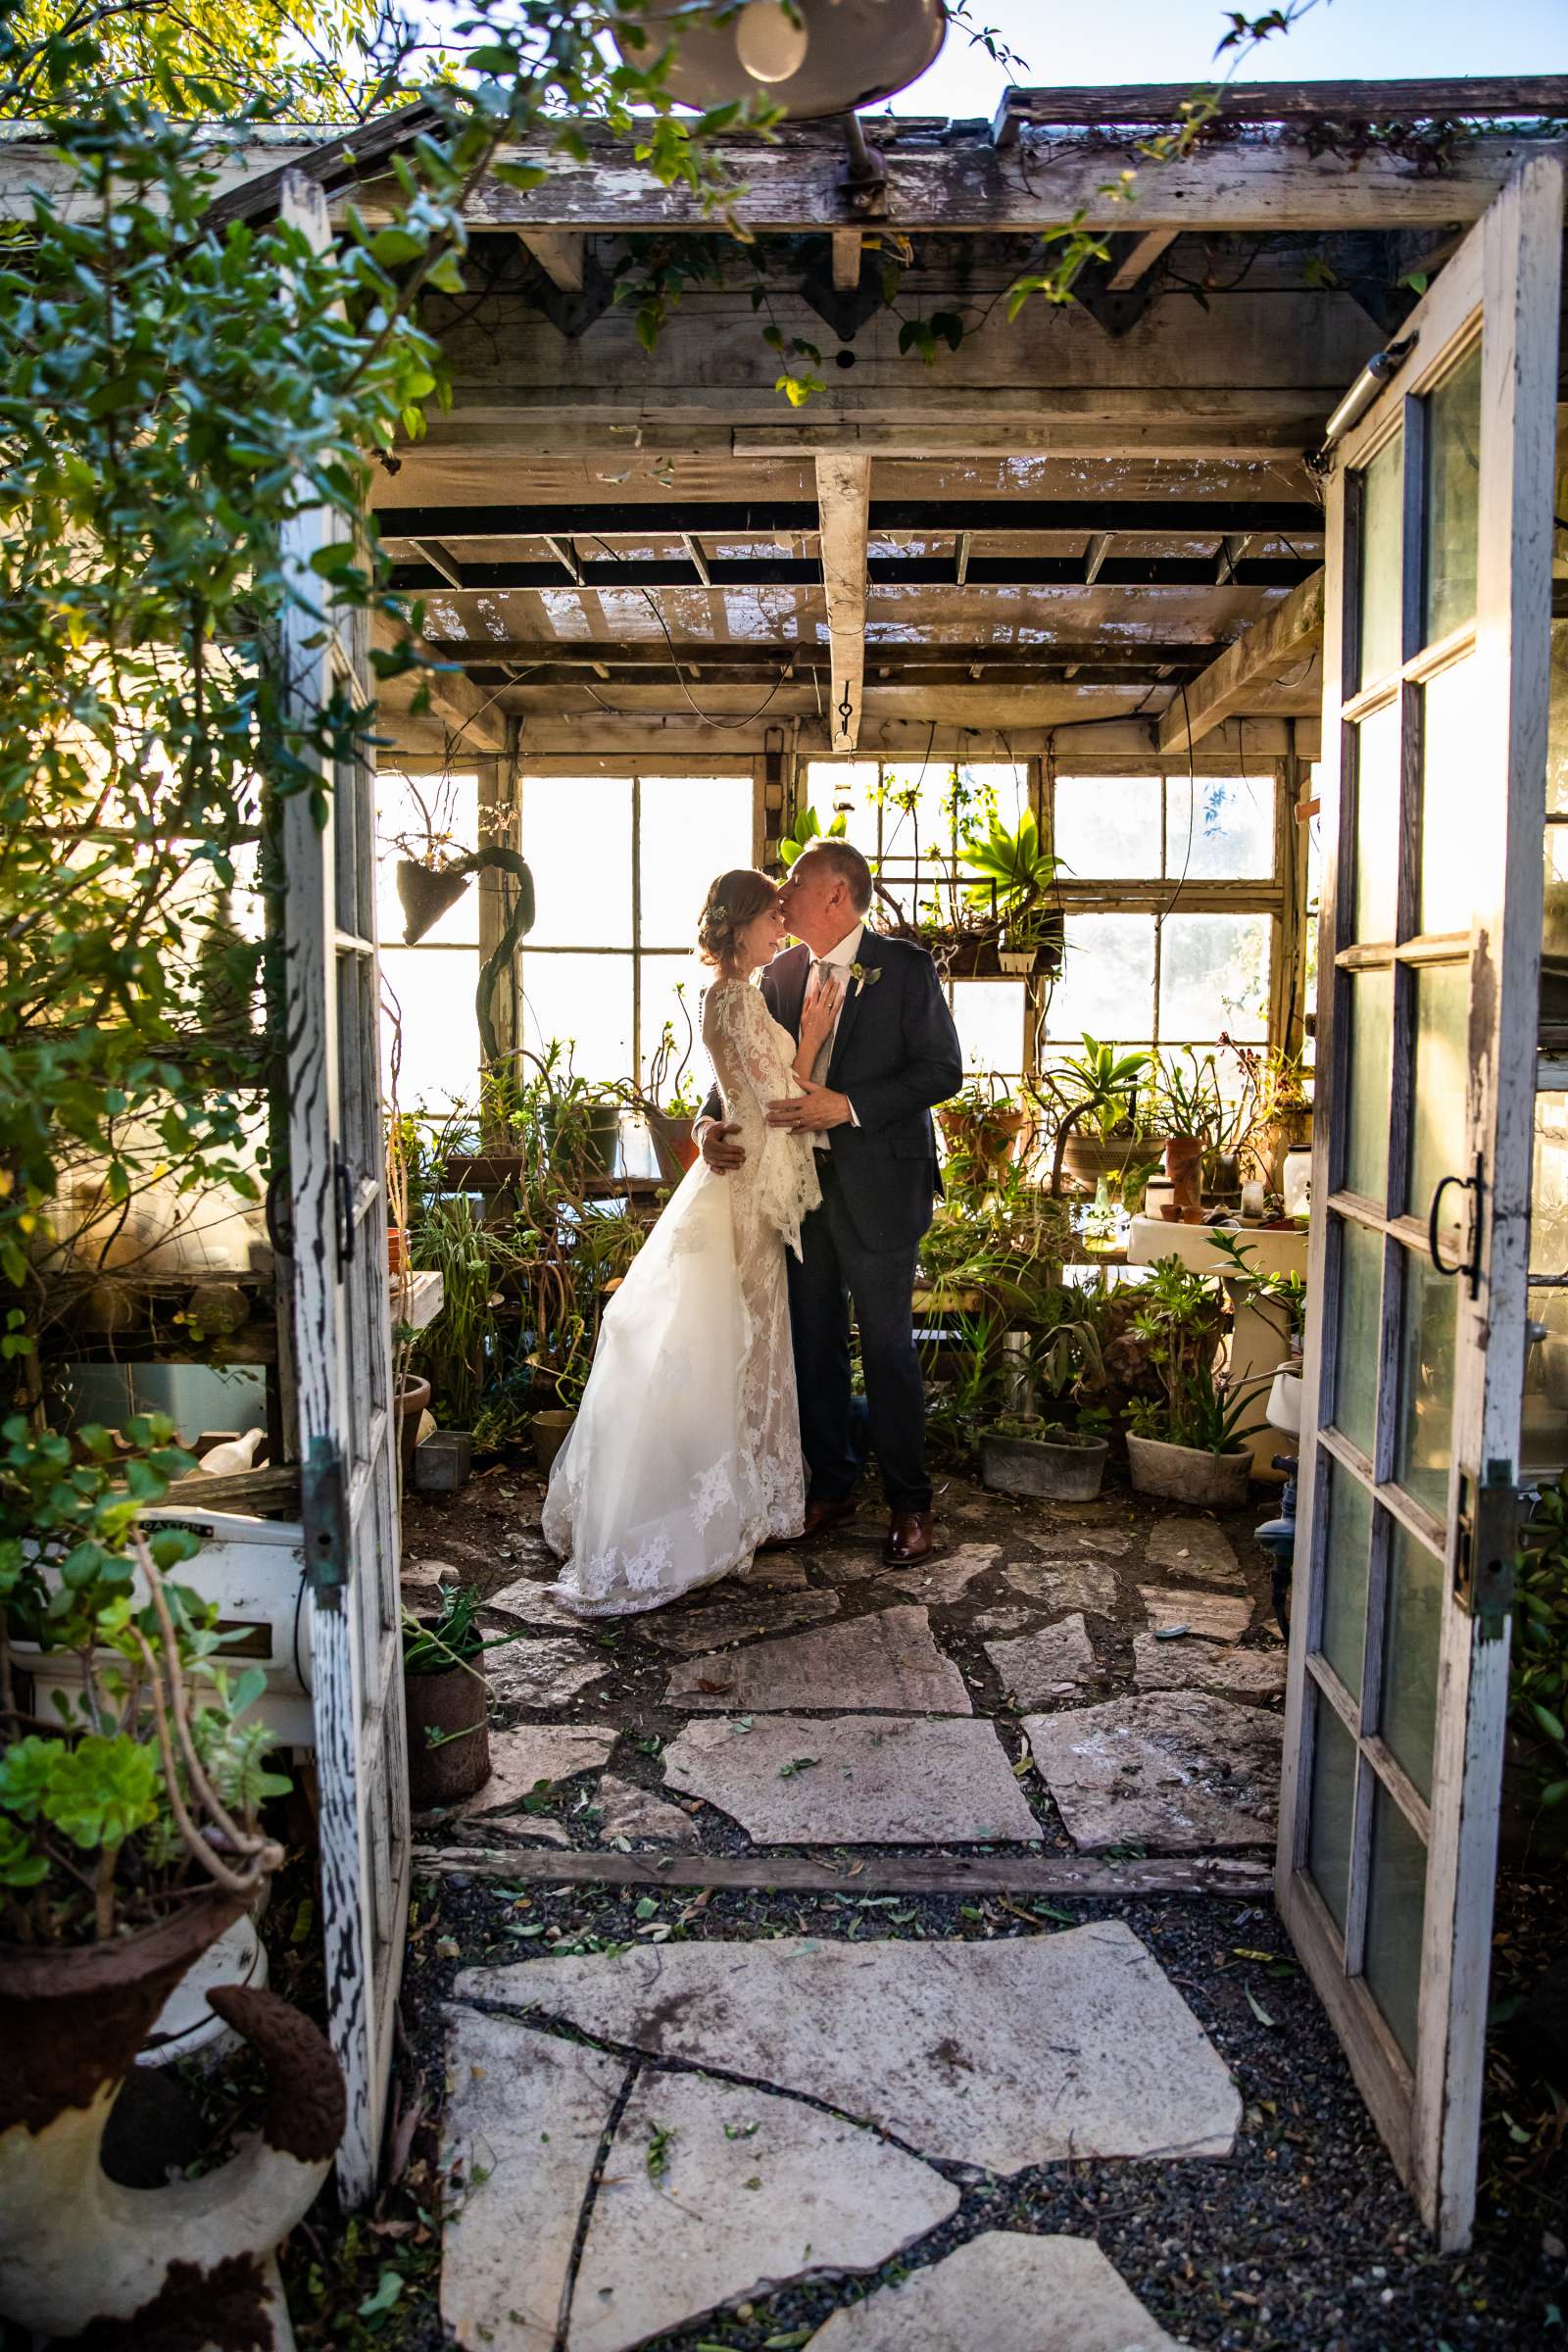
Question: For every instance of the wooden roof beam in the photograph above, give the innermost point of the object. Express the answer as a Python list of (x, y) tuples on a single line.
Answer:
[(470, 712), (1475, 97), (1273, 644), (844, 503), (559, 255), (1139, 259), (1189, 518)]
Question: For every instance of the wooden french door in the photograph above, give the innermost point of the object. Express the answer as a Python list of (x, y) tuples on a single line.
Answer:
[(341, 1352), (1436, 666)]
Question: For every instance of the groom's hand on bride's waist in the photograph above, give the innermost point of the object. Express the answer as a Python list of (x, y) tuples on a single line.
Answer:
[(717, 1153), (813, 1111)]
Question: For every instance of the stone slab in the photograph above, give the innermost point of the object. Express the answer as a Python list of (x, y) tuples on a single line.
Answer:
[(779, 1571), (1045, 1664), (1090, 1585), (1213, 1616), (1005, 2292), (862, 1779), (543, 1673), (538, 1751), (528, 2112), (1207, 1666), (1189, 1547), (880, 1663), (1027, 2050), (939, 1584), (1174, 1772), (528, 1603), (642, 1817), (714, 2192), (739, 1619)]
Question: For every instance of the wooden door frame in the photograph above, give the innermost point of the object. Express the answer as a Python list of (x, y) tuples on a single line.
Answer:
[(1504, 277)]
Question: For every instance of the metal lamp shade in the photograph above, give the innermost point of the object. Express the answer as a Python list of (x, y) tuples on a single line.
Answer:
[(856, 52)]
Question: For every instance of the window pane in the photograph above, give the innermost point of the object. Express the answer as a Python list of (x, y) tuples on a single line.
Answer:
[(989, 1015), (1344, 1565), (1396, 1907), (1213, 975), (1453, 497), (857, 779), (576, 836), (1328, 1837), (1381, 569), (403, 828), (432, 989), (583, 1002), (1002, 785), (1222, 833), (1424, 1443), (693, 829), (1414, 1625), (1377, 823), (1107, 827), (1449, 767), (1438, 1097), (1369, 998), (672, 993), (1355, 1356), (1107, 986)]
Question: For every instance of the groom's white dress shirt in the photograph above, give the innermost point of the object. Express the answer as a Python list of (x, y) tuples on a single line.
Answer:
[(838, 960)]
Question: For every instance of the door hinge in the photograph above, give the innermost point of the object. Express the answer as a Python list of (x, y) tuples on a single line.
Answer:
[(1487, 1541), (325, 1511)]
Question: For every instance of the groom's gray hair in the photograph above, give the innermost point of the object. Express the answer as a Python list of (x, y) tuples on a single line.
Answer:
[(844, 860)]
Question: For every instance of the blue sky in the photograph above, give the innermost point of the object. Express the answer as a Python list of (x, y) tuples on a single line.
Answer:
[(1173, 40)]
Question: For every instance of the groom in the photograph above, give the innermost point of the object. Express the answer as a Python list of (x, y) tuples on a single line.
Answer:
[(892, 1053)]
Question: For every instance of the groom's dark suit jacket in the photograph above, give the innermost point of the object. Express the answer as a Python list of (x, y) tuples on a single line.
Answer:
[(896, 1053)]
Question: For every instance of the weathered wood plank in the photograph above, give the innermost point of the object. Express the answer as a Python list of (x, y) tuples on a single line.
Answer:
[(1477, 97), (846, 260), (1146, 251), (879, 1874), (559, 254), (1281, 637), (797, 188), (476, 717), (1161, 517), (844, 498)]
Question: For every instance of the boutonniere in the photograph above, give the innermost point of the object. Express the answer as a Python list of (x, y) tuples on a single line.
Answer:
[(862, 975)]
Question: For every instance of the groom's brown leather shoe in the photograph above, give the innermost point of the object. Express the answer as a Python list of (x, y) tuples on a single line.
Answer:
[(910, 1538), (819, 1517)]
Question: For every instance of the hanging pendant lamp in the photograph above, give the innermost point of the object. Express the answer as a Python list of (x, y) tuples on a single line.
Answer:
[(814, 58)]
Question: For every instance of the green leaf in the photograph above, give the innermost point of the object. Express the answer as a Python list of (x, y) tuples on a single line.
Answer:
[(102, 1790), (389, 2288), (1549, 1723)]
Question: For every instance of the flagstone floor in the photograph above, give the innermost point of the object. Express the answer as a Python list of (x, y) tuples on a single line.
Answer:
[(666, 2136)]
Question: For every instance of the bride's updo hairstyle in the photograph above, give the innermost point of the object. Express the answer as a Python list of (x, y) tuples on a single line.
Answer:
[(735, 899)]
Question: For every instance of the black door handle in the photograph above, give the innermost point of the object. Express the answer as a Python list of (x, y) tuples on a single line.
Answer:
[(1471, 1266)]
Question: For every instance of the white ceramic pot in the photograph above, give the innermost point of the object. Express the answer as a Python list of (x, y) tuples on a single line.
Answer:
[(1283, 1407)]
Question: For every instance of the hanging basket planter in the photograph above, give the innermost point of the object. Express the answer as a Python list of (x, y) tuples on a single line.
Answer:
[(425, 893)]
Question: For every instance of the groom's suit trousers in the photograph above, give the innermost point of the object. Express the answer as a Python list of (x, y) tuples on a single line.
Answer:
[(834, 1268)]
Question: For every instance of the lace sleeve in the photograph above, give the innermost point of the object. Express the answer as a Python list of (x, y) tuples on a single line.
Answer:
[(749, 1053), (742, 1041)]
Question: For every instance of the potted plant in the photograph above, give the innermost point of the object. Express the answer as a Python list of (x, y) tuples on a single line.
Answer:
[(130, 1839), (581, 1123), (1022, 1454), (1092, 1100), (1187, 1441), (671, 1104), (982, 1123), (809, 827), (448, 1699)]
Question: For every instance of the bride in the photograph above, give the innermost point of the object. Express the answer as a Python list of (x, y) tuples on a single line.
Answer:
[(686, 1454)]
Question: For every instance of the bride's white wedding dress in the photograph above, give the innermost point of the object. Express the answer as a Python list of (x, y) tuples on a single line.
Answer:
[(686, 1454)]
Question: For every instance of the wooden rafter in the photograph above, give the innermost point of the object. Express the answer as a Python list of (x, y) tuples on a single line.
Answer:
[(844, 500), (1283, 637), (1137, 263), (559, 255)]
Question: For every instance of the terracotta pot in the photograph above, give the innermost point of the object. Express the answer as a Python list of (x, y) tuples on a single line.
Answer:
[(1184, 1166), (1216, 1481), (411, 1399), (991, 1136), (674, 1144), (455, 1707), (396, 1258), (1043, 1466), (77, 2252)]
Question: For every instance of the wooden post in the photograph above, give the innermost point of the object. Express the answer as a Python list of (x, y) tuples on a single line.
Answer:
[(844, 500)]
